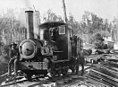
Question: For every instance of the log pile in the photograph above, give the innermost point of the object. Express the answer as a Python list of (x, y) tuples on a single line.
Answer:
[(106, 73)]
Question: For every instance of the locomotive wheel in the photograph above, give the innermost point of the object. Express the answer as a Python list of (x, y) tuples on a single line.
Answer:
[(28, 76), (65, 72), (73, 69), (52, 70), (53, 73), (59, 72)]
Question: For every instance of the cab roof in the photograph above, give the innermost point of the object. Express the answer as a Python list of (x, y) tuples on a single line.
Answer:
[(51, 24)]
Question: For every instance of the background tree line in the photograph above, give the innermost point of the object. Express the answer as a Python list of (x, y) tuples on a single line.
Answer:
[(11, 29)]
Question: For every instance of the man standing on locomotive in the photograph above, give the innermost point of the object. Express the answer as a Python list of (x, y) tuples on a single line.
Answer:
[(47, 49), (13, 54)]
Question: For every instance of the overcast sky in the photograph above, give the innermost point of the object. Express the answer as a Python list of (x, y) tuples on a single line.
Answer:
[(103, 8)]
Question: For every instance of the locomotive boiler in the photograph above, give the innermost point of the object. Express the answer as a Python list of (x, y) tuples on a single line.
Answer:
[(60, 39)]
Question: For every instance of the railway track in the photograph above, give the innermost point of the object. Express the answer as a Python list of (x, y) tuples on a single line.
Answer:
[(56, 82), (106, 73), (101, 75), (66, 81)]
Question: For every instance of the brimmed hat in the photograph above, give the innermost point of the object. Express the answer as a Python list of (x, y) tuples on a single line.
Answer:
[(13, 44)]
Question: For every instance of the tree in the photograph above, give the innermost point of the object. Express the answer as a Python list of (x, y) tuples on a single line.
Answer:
[(114, 31), (11, 28), (51, 16), (92, 24), (74, 24)]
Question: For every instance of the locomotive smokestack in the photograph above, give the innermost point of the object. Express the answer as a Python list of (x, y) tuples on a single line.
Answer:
[(29, 20)]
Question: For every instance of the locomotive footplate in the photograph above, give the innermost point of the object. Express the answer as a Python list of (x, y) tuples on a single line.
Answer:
[(33, 66)]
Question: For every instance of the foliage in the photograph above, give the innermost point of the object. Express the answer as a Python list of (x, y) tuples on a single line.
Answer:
[(11, 29), (114, 31), (51, 16), (92, 25), (87, 29), (74, 24)]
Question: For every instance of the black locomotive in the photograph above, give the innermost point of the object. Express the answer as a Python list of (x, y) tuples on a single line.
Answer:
[(63, 43)]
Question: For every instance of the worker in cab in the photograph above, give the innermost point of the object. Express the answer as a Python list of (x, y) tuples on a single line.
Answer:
[(46, 50)]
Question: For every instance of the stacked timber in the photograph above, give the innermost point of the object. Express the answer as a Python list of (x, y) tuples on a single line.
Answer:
[(106, 73)]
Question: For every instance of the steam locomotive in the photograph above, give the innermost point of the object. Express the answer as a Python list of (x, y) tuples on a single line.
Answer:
[(58, 35)]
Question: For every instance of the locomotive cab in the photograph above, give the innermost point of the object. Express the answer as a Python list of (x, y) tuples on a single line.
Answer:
[(57, 35), (50, 30)]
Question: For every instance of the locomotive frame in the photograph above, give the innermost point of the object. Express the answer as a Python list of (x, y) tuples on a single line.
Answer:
[(32, 62)]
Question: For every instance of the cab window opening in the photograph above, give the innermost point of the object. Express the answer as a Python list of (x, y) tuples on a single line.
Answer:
[(62, 29), (54, 33)]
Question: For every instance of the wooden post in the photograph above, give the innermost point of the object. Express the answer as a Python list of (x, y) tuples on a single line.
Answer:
[(64, 8)]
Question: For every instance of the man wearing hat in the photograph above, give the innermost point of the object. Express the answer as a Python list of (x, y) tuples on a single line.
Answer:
[(80, 61), (14, 55)]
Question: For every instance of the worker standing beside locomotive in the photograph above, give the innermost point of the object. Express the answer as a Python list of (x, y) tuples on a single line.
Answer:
[(13, 54), (78, 55), (80, 62), (47, 52)]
